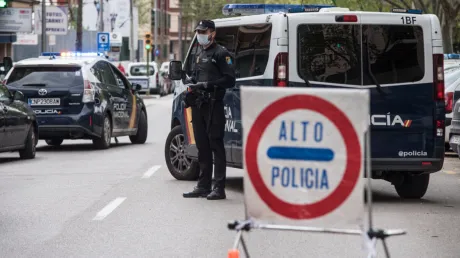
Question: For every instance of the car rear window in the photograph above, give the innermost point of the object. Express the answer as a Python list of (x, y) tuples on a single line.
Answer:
[(332, 53), (46, 76), (141, 70)]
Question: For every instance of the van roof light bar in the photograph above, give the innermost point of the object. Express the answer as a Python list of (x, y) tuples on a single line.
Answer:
[(254, 9), (402, 10)]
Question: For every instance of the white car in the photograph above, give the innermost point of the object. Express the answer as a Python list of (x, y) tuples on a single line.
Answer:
[(137, 73)]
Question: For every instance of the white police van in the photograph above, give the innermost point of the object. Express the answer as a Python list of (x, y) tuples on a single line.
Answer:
[(397, 55)]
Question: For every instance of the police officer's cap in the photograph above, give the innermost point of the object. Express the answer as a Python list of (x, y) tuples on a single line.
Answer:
[(205, 24)]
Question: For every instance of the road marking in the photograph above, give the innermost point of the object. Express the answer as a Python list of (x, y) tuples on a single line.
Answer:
[(109, 208), (450, 172), (151, 171)]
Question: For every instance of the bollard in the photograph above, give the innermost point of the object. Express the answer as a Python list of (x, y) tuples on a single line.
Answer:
[(233, 253)]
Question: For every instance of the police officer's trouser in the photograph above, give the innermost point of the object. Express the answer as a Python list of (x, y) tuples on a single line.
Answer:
[(209, 143)]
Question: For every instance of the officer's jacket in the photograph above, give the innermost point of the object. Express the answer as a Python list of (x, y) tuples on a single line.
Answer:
[(215, 65)]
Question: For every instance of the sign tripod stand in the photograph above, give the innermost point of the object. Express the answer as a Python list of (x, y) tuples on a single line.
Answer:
[(373, 234)]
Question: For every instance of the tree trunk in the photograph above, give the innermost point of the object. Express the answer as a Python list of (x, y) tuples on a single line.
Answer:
[(447, 33), (185, 41), (79, 43)]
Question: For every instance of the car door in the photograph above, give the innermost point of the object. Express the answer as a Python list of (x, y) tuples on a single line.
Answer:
[(117, 101), (251, 60), (2, 126), (15, 122), (127, 118)]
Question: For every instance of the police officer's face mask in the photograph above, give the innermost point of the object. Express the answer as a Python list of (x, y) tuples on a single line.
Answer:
[(203, 39)]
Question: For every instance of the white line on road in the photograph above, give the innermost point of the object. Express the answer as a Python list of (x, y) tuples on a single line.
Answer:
[(151, 171), (109, 208)]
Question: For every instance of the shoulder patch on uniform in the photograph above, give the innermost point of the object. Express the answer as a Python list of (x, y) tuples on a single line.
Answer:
[(228, 60)]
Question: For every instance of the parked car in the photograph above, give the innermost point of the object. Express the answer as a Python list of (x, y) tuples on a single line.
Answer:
[(18, 124), (452, 83), (165, 82), (137, 73), (454, 139)]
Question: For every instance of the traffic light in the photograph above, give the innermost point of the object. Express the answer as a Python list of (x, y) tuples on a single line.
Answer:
[(147, 40), (4, 3)]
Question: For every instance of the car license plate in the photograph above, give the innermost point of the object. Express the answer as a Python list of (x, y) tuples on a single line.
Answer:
[(143, 83), (45, 102), (455, 139)]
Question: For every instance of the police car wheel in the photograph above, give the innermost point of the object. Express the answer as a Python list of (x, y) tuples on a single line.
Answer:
[(142, 127), (29, 149), (179, 165), (106, 136), (413, 186), (54, 142)]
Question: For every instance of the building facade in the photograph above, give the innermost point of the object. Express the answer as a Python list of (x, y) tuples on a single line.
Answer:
[(8, 38)]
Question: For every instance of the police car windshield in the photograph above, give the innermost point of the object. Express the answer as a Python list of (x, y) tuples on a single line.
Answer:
[(46, 76), (141, 70)]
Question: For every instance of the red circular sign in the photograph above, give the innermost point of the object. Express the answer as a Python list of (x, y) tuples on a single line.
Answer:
[(353, 161)]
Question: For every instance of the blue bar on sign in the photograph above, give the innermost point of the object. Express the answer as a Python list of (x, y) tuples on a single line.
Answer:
[(300, 153)]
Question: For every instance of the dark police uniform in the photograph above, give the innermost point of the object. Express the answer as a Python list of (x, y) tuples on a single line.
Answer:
[(213, 66)]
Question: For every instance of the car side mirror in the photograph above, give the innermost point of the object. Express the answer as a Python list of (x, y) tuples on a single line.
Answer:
[(18, 96), (136, 87), (175, 70)]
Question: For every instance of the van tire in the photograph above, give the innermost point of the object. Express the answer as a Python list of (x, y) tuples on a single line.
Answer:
[(30, 145), (142, 128), (413, 186), (54, 142), (106, 135), (192, 172)]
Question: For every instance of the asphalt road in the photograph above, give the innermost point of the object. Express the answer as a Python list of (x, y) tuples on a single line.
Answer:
[(72, 201)]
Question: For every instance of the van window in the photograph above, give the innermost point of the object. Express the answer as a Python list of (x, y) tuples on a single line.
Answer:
[(252, 50), (396, 53), (141, 70), (329, 53), (225, 36), (49, 76)]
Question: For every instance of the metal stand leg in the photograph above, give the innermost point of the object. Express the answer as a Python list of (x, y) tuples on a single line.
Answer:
[(245, 249), (385, 247)]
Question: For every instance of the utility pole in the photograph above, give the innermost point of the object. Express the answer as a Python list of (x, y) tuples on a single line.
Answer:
[(43, 26), (79, 43), (131, 36), (155, 28), (180, 30), (163, 30), (101, 10)]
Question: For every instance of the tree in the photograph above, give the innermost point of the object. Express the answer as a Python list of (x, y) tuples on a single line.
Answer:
[(448, 12), (79, 43)]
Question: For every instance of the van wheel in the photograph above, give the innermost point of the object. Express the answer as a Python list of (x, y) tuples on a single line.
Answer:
[(180, 166), (413, 186), (54, 142), (142, 127), (29, 149), (104, 141)]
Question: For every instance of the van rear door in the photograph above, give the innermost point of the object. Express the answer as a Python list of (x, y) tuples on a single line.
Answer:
[(391, 55)]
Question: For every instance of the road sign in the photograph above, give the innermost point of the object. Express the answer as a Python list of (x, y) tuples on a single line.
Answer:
[(304, 155), (103, 41), (157, 52)]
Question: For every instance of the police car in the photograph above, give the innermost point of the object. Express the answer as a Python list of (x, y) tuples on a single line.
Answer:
[(398, 56), (80, 96)]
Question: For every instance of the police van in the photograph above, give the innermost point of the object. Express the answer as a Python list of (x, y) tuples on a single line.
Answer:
[(397, 55)]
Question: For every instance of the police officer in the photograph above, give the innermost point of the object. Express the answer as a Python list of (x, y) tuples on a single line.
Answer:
[(213, 73)]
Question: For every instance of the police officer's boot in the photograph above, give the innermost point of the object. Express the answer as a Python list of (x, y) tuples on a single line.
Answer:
[(197, 192), (217, 194)]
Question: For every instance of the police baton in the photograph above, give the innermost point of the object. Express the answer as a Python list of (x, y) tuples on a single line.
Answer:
[(211, 109)]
